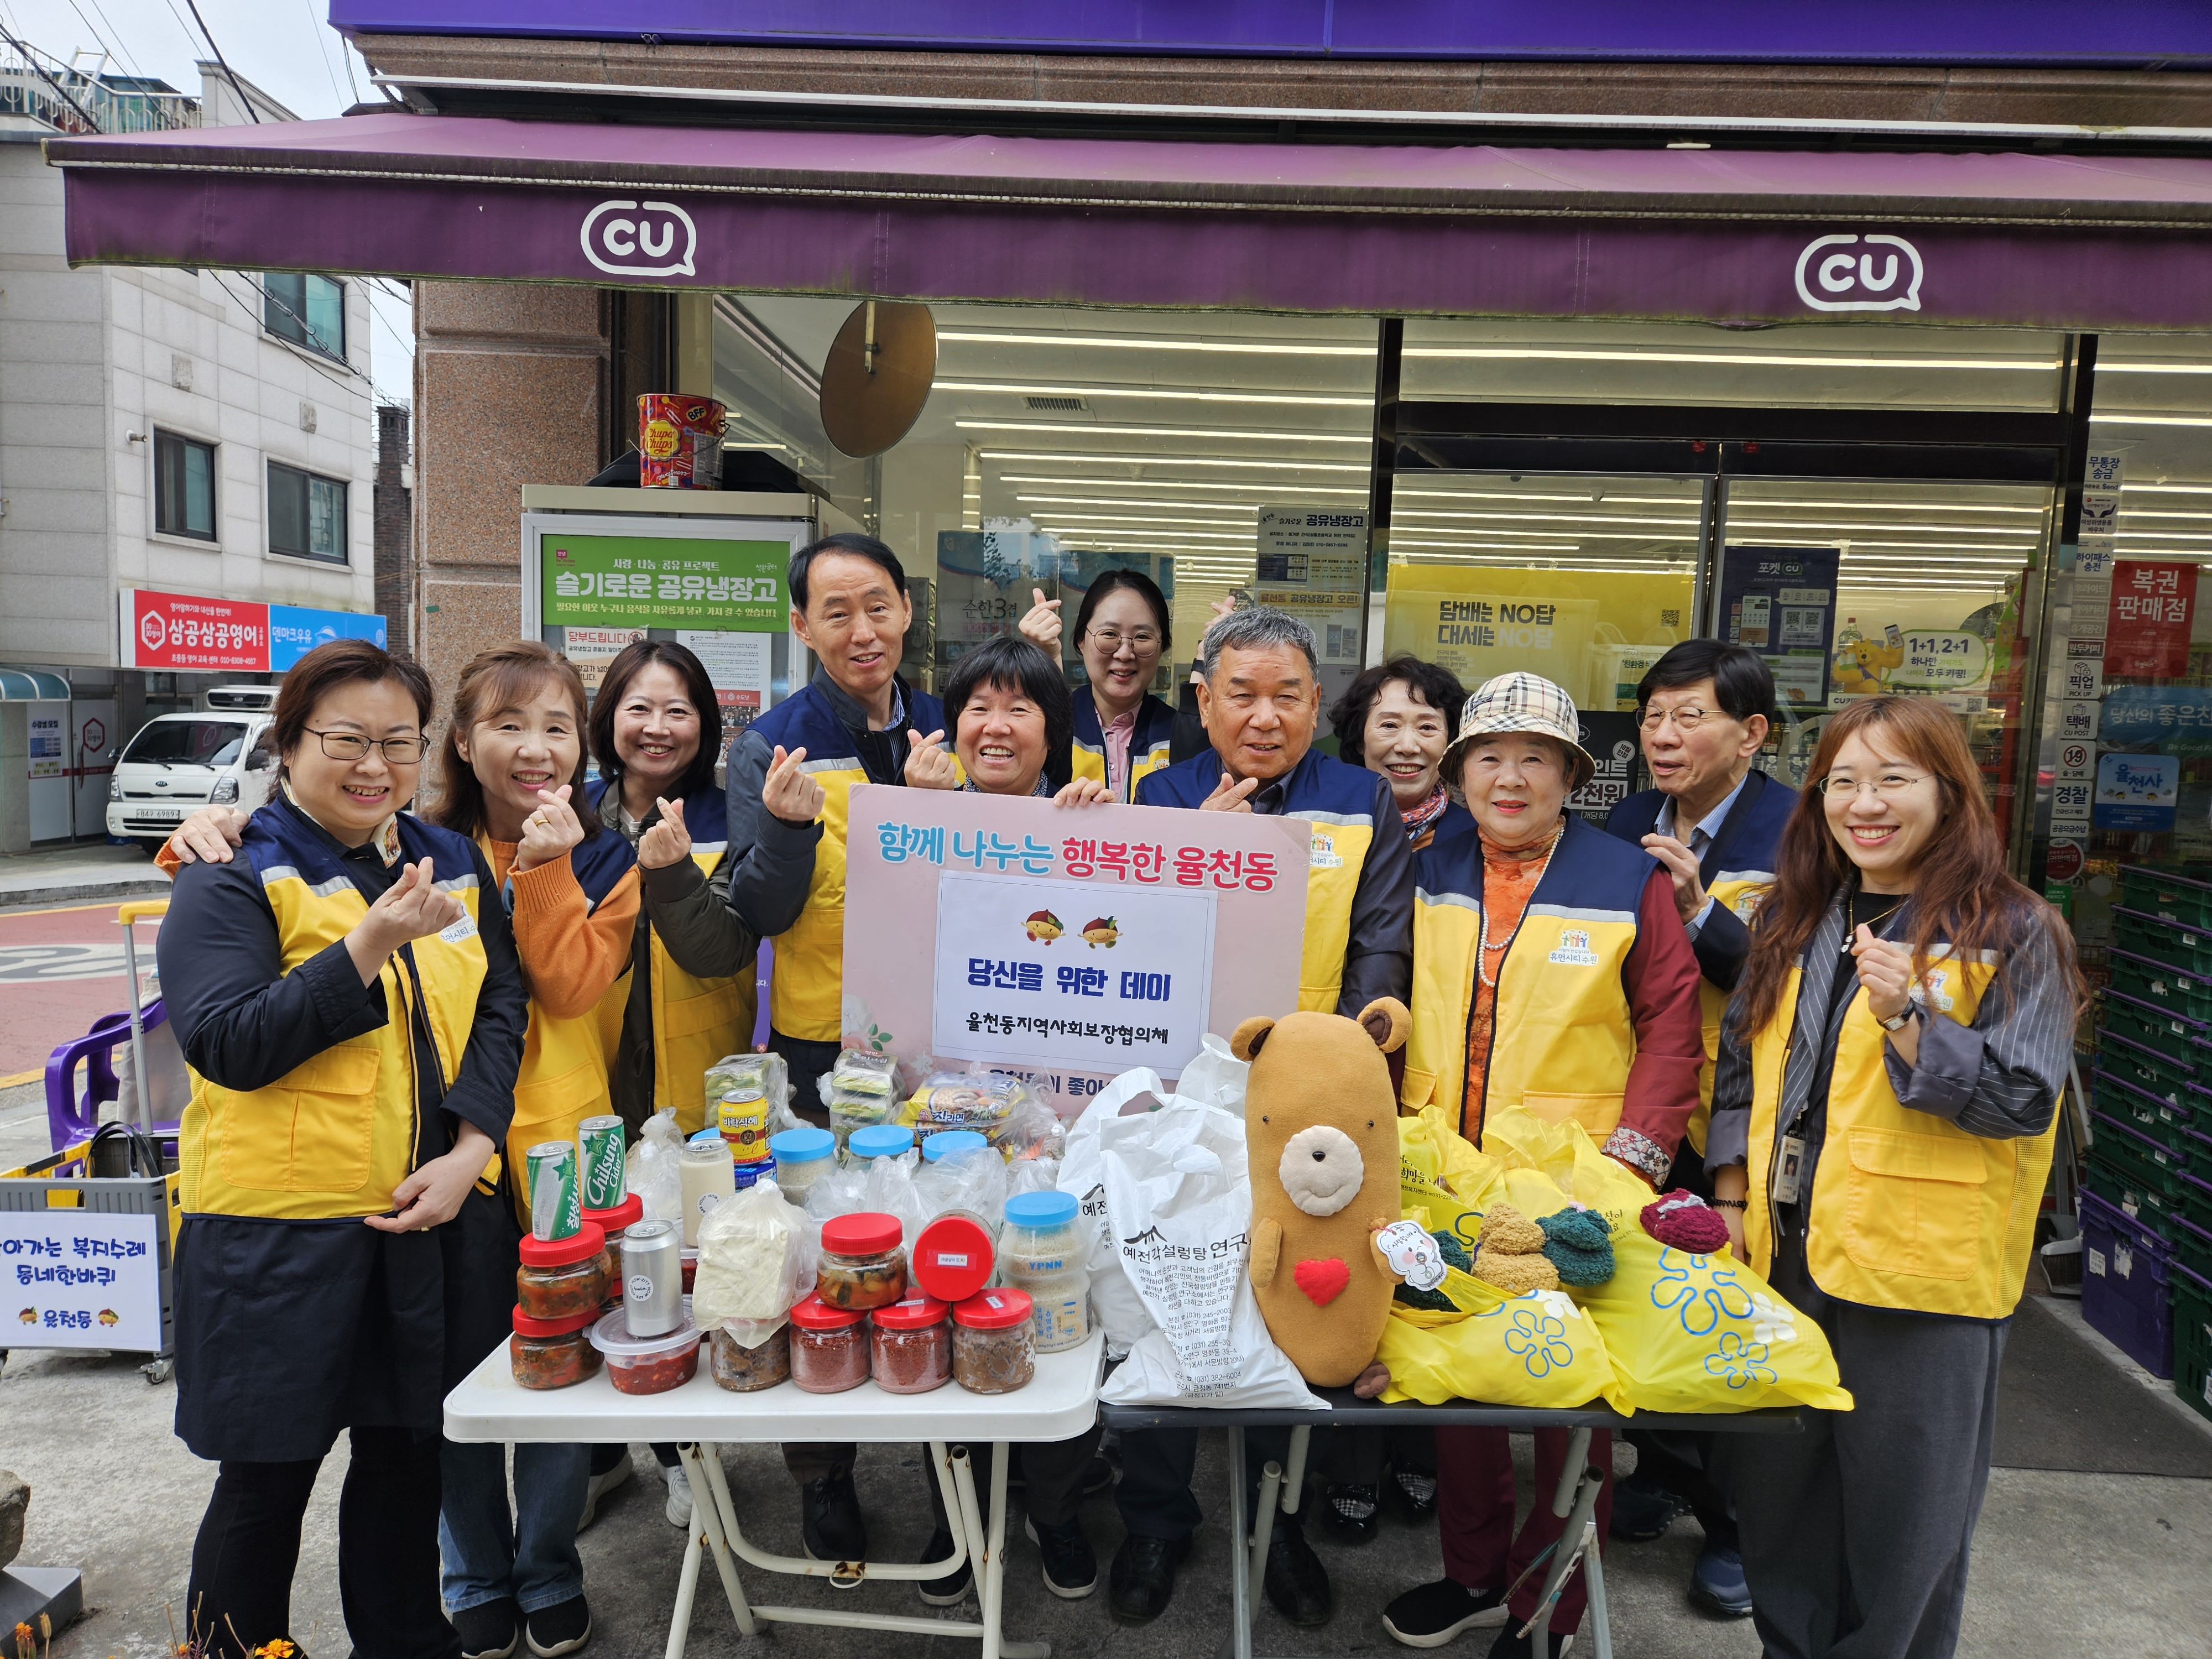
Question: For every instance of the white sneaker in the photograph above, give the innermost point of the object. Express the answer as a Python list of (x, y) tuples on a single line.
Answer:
[(600, 1486), (679, 1497)]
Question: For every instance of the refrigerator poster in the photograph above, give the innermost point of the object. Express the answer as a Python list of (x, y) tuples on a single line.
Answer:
[(1781, 602), (2147, 633)]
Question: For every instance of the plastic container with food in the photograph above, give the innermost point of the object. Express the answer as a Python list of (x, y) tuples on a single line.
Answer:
[(993, 1342), (863, 1263), (562, 1278), (688, 1265), (648, 1364), (878, 1141), (552, 1353), (742, 1367), (910, 1347), (1043, 1250), (829, 1347), (952, 1256), (947, 1142), (801, 1156)]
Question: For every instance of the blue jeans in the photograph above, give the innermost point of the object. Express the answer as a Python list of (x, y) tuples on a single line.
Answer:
[(529, 1555)]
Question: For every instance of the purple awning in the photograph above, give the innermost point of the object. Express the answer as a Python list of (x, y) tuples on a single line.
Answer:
[(2037, 240)]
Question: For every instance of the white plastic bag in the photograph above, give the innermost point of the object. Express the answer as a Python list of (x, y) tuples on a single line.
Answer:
[(1180, 1207), (758, 1256), (839, 1190), (1114, 1301), (973, 1180), (889, 1189), (1215, 1078), (654, 1176)]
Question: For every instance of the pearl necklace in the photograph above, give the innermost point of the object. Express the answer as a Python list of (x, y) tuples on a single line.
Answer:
[(1482, 937)]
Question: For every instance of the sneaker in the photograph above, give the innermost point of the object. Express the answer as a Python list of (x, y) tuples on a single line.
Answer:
[(1296, 1582), (1071, 1571), (562, 1628), (1353, 1513), (600, 1486), (1141, 1582), (831, 1522), (1641, 1510), (1717, 1583), (1433, 1615), (1414, 1491), (1512, 1644), (488, 1630), (679, 1497), (946, 1591)]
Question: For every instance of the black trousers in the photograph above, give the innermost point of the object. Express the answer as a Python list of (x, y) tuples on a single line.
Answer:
[(1154, 1497), (1053, 1468), (249, 1545)]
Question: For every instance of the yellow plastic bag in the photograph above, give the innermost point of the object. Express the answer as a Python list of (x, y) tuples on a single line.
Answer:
[(1686, 1333), (1536, 1349), (1445, 1183)]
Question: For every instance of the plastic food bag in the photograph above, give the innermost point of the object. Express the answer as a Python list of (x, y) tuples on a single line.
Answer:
[(1537, 1349), (1180, 1208), (838, 1190), (738, 1074), (757, 1254), (1032, 1130), (859, 1090), (1686, 1333), (973, 1180), (653, 1174), (888, 1189)]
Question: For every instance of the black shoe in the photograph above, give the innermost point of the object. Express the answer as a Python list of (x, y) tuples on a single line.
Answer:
[(1512, 1644), (831, 1522), (1432, 1615), (1353, 1513), (1641, 1510), (1071, 1571), (1414, 1492), (946, 1591), (488, 1630), (562, 1628), (1141, 1582), (1297, 1583)]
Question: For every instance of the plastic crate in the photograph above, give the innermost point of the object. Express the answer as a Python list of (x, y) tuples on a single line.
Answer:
[(2192, 1247), (2175, 942), (2196, 1205), (2161, 1121), (2195, 1146), (2193, 1338), (2153, 1203), (2137, 1155), (2183, 1041), (2127, 1274), (2166, 895), (2143, 1068), (2161, 986)]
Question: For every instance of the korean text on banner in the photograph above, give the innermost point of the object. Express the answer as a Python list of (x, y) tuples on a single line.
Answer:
[(1593, 633), (2153, 608), (77, 1278), (1065, 944), (663, 581), (185, 631)]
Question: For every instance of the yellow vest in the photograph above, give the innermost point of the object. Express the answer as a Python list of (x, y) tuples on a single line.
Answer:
[(335, 1135), (1908, 1210), (1739, 890), (696, 1022)]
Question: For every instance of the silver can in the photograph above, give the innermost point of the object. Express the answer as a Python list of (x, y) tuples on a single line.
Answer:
[(653, 1277)]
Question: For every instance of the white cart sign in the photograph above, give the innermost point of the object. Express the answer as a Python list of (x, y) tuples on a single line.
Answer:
[(78, 1278)]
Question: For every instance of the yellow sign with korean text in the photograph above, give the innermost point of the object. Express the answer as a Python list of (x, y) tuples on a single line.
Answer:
[(1594, 633)]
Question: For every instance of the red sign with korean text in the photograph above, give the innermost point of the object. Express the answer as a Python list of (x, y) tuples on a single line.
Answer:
[(2154, 607), (185, 631)]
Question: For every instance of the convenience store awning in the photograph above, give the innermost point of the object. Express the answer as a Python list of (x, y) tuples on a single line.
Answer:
[(2038, 240)]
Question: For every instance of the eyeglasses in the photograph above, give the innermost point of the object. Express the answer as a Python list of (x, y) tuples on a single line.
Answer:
[(1888, 787), (1687, 720), (351, 746), (1110, 640)]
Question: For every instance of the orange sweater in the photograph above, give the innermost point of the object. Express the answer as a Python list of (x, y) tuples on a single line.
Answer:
[(570, 952)]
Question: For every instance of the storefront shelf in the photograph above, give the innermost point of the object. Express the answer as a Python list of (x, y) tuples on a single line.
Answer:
[(2161, 986), (2165, 895), (2143, 1068), (2175, 943), (2161, 1121), (2127, 1274), (2152, 1027), (2192, 1337)]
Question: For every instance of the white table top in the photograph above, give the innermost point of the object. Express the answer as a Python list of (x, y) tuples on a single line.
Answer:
[(1061, 1401)]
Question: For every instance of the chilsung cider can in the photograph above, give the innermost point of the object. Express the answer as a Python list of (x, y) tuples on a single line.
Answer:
[(605, 1179), (556, 1206)]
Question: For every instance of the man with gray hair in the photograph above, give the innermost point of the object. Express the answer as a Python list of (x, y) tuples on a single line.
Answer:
[(1260, 699)]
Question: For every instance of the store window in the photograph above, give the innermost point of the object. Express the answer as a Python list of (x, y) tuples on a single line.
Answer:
[(184, 486), (307, 515), (308, 311)]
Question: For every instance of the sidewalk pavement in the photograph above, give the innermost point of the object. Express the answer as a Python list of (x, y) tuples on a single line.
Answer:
[(83, 872)]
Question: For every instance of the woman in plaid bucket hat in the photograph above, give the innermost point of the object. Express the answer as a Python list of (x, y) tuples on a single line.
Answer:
[(1551, 972)]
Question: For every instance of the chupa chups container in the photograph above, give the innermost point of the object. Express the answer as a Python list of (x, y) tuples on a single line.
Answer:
[(563, 1278), (552, 1353), (994, 1342), (952, 1256), (801, 1156), (829, 1347), (863, 1263), (648, 1364), (679, 441), (911, 1345)]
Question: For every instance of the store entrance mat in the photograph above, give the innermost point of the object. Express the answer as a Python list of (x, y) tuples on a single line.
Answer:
[(2061, 1404)]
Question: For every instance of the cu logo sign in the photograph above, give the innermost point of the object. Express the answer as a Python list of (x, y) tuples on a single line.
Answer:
[(1854, 273), (640, 239)]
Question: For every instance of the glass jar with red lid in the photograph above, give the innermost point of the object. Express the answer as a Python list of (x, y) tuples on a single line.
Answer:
[(863, 1263), (911, 1345), (953, 1255), (561, 1277), (829, 1347), (552, 1353), (993, 1342)]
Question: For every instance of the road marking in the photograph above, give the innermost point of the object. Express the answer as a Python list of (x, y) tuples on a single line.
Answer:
[(16, 1081), (61, 910), (48, 964)]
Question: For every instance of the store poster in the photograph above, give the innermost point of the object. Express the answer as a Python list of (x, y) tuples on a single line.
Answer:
[(1313, 564), (2136, 791), (2153, 608), (2177, 718), (743, 669), (47, 757), (1781, 602), (79, 1279), (190, 631), (664, 581), (987, 580), (1067, 944), (1610, 738), (294, 630), (1592, 633), (591, 649)]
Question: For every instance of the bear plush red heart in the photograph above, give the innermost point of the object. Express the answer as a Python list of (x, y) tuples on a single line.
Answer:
[(1323, 1280)]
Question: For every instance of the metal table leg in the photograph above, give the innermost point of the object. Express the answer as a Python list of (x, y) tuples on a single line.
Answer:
[(1240, 1564), (1575, 1500)]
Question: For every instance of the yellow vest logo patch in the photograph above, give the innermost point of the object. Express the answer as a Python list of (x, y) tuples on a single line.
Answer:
[(1325, 855), (1933, 996), (1574, 951)]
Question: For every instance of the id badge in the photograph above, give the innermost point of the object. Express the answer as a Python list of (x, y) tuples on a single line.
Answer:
[(1788, 1170)]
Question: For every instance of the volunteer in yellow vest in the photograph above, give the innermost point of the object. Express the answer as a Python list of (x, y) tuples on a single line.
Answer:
[(1260, 695), (346, 991), (1885, 1107), (1121, 731), (1550, 972)]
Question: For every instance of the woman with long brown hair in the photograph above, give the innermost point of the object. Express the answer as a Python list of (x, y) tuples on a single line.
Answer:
[(1883, 1117)]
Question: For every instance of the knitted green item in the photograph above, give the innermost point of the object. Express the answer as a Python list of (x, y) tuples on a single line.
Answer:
[(1455, 1254), (1579, 1243)]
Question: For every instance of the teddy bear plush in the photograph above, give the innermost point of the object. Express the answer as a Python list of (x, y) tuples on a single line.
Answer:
[(1321, 1133)]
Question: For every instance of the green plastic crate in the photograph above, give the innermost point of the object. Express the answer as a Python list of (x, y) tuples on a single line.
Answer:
[(2166, 895), (2161, 986), (2165, 1121), (2192, 1338), (2196, 1206), (2149, 1026), (2154, 1207), (2125, 1148), (2174, 943), (2193, 1249), (2146, 1069)]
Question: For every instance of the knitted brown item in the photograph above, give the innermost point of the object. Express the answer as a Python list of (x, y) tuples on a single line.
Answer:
[(1515, 1273), (1509, 1232)]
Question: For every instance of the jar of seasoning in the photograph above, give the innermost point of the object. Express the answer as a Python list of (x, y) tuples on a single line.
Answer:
[(948, 1143), (552, 1353), (878, 1140), (1041, 1250), (911, 1346), (688, 1265), (952, 1256), (829, 1347), (648, 1364), (614, 1223), (561, 1277), (742, 1369), (993, 1342), (801, 1156), (863, 1263)]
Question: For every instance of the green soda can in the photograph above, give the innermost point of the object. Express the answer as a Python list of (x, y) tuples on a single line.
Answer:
[(605, 1179), (557, 1205)]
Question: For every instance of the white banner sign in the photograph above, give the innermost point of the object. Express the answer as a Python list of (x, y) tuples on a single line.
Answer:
[(78, 1278)]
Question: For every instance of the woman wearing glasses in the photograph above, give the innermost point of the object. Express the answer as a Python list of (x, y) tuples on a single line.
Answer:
[(347, 996), (1883, 1121), (1122, 729)]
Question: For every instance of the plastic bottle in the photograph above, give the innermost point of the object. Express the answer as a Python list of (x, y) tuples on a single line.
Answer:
[(1041, 1250), (709, 1176)]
